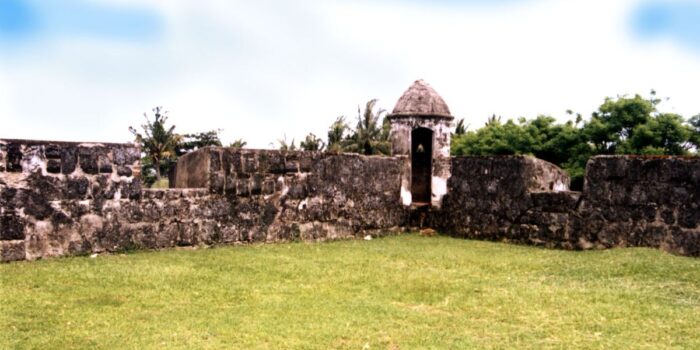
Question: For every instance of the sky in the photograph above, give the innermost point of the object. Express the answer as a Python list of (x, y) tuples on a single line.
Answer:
[(86, 70)]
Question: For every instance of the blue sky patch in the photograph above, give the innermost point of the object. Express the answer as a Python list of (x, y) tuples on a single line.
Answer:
[(17, 18), (678, 21), (77, 18)]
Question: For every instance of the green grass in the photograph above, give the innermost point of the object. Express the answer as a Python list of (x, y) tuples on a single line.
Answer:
[(402, 292)]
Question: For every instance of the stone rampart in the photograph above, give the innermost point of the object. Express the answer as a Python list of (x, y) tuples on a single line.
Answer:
[(628, 201), (642, 201), (60, 198), (97, 205), (315, 195), (488, 196), (47, 187)]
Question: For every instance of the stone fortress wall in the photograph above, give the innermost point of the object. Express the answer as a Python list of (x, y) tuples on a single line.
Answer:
[(59, 199), (627, 201)]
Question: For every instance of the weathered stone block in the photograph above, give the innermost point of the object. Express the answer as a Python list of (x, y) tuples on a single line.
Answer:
[(77, 187), (249, 163), (69, 159), (689, 216), (558, 202), (274, 162), (125, 155), (297, 189), (124, 171), (291, 164), (14, 158), (306, 161), (242, 188), (232, 161), (256, 184), (104, 165), (131, 189), (230, 184), (53, 166), (268, 187), (214, 160), (36, 205), (685, 242), (11, 227), (217, 182), (52, 151), (88, 159), (3, 155), (12, 251)]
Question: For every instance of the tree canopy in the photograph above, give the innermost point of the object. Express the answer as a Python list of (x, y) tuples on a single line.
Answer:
[(622, 125), (312, 143), (157, 141), (191, 142), (370, 135), (162, 146)]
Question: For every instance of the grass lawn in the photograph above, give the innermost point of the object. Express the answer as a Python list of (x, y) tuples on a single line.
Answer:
[(402, 292)]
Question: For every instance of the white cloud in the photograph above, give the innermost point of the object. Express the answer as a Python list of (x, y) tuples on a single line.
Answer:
[(263, 69)]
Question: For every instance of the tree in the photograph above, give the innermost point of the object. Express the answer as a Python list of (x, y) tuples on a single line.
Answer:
[(312, 143), (495, 138), (337, 135), (368, 137), (191, 142), (663, 134), (694, 138), (460, 129), (157, 141), (284, 146), (238, 144), (613, 125), (622, 125)]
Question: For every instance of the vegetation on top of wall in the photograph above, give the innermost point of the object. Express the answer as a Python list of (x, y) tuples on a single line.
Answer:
[(157, 141), (622, 125), (191, 142), (161, 146), (312, 143), (370, 135), (238, 144)]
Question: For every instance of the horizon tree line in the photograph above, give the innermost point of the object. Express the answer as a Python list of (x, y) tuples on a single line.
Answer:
[(621, 125)]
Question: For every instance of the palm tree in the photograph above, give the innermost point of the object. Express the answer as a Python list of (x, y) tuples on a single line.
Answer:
[(157, 141), (336, 135), (368, 137), (284, 146), (460, 129), (238, 144), (312, 143)]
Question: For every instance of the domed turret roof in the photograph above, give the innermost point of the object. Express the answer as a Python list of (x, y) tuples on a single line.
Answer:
[(421, 100)]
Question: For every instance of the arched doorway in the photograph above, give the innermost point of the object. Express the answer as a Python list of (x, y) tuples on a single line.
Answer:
[(421, 165)]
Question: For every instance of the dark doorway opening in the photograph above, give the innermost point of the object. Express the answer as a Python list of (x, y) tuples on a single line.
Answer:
[(421, 165)]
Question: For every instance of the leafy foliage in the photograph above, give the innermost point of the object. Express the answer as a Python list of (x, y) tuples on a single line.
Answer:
[(191, 142), (157, 141), (238, 144), (370, 136), (694, 138), (337, 134), (312, 143), (285, 146), (460, 129), (162, 146), (623, 125)]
